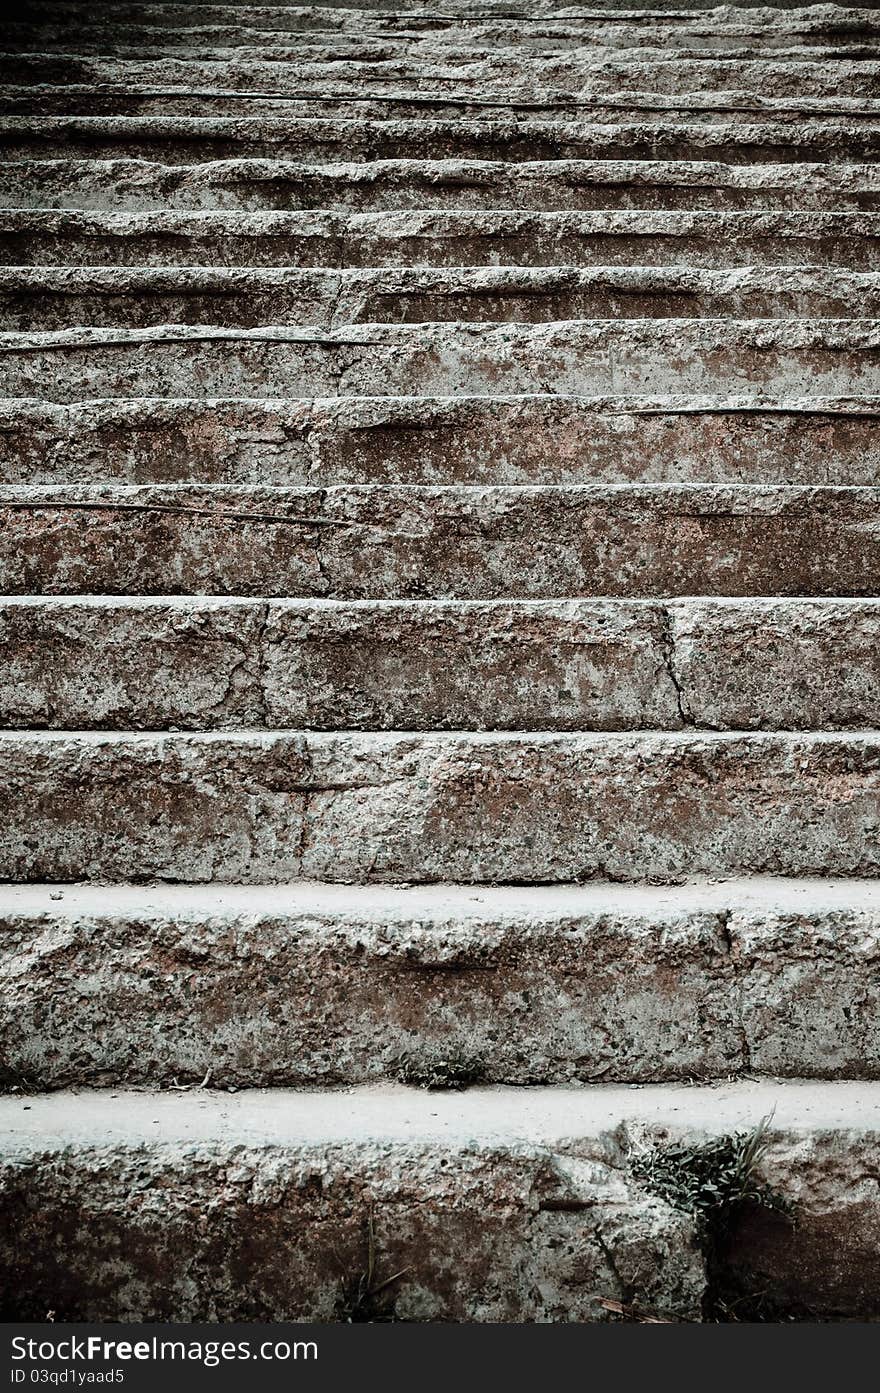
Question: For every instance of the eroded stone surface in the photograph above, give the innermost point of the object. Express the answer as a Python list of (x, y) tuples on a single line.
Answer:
[(322, 139), (307, 984), (396, 542), (391, 185), (60, 297), (372, 807), (757, 359), (198, 663), (501, 1204), (429, 440), (442, 238)]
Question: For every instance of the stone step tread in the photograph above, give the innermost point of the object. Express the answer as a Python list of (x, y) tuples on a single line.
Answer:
[(535, 1185), (258, 807), (590, 73), (475, 1118), (326, 48), (211, 663), (444, 909), (760, 30), (58, 297), (184, 140), (775, 358), (154, 99), (551, 440), (746, 13), (338, 968), (482, 542), (440, 238), (451, 223), (422, 185)]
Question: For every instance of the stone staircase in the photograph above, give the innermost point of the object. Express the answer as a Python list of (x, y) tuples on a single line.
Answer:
[(440, 482)]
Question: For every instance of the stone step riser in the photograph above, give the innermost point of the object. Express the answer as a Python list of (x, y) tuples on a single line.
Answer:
[(536, 1187), (360, 241), (452, 185), (749, 17), (188, 140), (597, 984), (538, 440), (573, 665), (479, 34), (792, 359), (50, 298), (396, 103), (658, 72), (358, 808), (390, 542)]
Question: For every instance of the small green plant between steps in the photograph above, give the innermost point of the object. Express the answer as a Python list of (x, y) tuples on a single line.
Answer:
[(362, 1299), (711, 1180), (715, 1182), (453, 1070)]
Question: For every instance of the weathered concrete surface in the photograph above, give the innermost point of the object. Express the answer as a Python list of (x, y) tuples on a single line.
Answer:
[(61, 297), (763, 30), (308, 984), (766, 664), (195, 663), (544, 439), (390, 66), (400, 542), (435, 184), (191, 139), (396, 807), (403, 100), (452, 239), (756, 359), (500, 1204), (92, 664)]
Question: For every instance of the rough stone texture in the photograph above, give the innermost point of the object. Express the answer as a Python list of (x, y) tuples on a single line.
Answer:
[(397, 807), (428, 440), (442, 238), (192, 139), (396, 541), (200, 663), (392, 67), (83, 664), (56, 297), (408, 101), (501, 1205), (308, 984), (765, 664), (642, 504), (763, 30), (756, 359), (431, 184)]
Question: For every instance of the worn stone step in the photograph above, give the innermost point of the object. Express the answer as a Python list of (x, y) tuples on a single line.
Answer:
[(316, 68), (192, 139), (255, 806), (401, 541), (537, 1186), (429, 440), (527, 985), (412, 239), (452, 185), (397, 101), (110, 663), (760, 31), (757, 359), (749, 15), (63, 297)]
